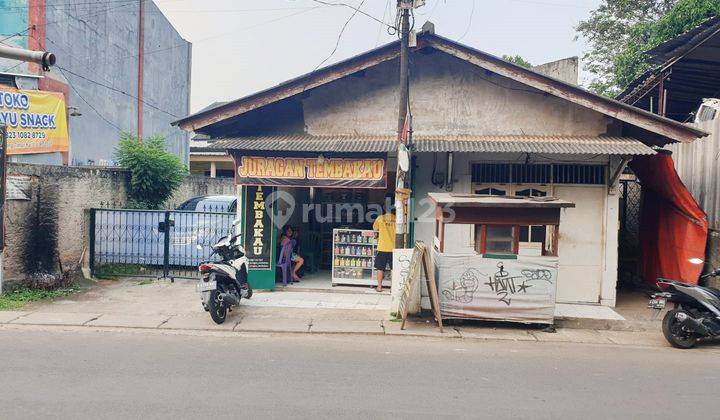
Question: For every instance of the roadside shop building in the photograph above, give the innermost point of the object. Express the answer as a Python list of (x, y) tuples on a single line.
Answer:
[(481, 125)]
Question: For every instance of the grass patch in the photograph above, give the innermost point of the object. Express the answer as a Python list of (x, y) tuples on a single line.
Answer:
[(116, 271), (144, 282), (19, 297)]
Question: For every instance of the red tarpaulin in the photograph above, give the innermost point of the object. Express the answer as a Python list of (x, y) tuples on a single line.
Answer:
[(673, 228)]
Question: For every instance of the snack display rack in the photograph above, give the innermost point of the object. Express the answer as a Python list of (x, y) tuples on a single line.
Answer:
[(354, 257)]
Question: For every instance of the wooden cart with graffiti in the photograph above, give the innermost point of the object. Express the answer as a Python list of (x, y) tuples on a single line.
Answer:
[(502, 261)]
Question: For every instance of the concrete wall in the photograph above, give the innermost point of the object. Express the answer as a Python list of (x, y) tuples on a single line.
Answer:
[(99, 41), (51, 226), (565, 69), (168, 61), (449, 96), (588, 232)]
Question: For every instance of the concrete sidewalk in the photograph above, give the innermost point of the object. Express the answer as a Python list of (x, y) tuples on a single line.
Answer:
[(165, 306), (314, 323)]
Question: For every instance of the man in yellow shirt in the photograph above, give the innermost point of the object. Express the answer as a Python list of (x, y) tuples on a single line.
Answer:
[(385, 226)]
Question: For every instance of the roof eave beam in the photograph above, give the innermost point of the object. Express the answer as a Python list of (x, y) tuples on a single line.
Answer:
[(312, 81)]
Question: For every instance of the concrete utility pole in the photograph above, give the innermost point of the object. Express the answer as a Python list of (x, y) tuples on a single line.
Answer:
[(404, 7), (141, 71)]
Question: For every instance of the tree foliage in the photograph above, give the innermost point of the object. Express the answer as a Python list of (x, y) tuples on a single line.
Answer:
[(619, 32), (517, 60), (155, 174)]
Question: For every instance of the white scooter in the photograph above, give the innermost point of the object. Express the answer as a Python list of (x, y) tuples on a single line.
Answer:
[(224, 283)]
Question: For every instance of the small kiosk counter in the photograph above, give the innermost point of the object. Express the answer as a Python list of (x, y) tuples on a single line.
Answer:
[(507, 269)]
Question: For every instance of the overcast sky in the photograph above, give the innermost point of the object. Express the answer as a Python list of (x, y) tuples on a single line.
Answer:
[(242, 46)]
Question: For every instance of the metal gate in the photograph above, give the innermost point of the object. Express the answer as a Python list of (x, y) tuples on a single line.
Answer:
[(629, 235), (153, 243)]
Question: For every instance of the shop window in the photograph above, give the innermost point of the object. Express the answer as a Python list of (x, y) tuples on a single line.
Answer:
[(529, 240), (496, 239), (499, 239)]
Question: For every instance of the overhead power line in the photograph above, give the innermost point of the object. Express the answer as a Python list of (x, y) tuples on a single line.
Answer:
[(470, 20), (339, 37), (110, 123), (234, 31), (63, 69), (356, 9)]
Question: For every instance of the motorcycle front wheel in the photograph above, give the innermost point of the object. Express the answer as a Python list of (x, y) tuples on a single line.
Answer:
[(218, 311), (674, 333)]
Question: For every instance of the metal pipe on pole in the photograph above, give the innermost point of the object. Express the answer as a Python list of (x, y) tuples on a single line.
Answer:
[(44, 58)]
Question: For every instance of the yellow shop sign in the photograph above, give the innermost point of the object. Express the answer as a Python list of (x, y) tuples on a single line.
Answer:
[(36, 121)]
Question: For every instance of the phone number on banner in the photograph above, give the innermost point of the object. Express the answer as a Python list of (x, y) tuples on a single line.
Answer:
[(26, 135)]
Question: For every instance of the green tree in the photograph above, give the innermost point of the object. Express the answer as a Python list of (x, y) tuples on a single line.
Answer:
[(619, 32), (155, 174), (517, 60)]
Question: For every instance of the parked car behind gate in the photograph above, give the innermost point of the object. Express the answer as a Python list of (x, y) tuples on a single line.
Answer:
[(210, 218), (211, 203)]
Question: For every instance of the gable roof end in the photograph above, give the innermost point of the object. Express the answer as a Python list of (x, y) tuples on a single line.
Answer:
[(624, 112)]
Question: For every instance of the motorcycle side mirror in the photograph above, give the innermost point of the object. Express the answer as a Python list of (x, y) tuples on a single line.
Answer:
[(696, 261)]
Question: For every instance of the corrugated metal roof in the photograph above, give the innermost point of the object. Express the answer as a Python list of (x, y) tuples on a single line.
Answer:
[(460, 143)]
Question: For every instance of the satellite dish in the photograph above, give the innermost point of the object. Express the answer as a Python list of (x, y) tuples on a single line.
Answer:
[(403, 158)]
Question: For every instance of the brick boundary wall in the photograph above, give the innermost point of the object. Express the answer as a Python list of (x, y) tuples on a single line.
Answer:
[(51, 229)]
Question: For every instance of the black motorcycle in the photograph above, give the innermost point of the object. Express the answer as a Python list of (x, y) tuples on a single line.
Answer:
[(696, 315)]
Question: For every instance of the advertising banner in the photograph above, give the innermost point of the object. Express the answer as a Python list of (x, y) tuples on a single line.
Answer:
[(258, 228), (36, 121), (519, 290), (314, 171)]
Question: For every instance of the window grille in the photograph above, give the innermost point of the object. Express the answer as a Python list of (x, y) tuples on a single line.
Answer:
[(531, 174), (507, 173), (491, 173), (7, 80), (579, 174)]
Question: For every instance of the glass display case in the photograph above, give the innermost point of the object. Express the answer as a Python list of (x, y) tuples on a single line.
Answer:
[(354, 257)]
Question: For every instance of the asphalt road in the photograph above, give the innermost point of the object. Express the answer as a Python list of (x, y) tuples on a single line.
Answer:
[(100, 374)]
